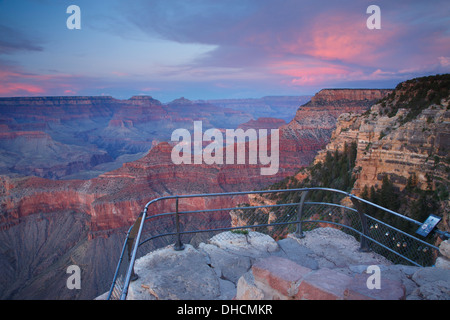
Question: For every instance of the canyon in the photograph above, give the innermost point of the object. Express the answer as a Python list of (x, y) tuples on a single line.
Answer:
[(38, 133), (49, 224), (404, 139)]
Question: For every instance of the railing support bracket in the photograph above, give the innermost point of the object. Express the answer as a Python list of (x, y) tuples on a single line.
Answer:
[(299, 231), (179, 246), (364, 243)]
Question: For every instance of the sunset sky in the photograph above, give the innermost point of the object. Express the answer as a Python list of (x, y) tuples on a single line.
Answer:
[(207, 49)]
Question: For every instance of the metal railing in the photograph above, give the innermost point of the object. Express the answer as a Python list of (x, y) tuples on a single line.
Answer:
[(169, 220)]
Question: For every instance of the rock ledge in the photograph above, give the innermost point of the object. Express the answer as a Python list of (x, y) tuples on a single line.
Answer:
[(324, 265)]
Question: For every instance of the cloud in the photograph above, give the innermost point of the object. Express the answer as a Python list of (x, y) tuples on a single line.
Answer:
[(444, 61), (195, 21), (14, 81), (233, 47), (320, 40), (14, 89), (13, 40)]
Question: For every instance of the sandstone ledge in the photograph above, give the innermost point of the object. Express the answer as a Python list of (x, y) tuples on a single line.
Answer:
[(325, 265)]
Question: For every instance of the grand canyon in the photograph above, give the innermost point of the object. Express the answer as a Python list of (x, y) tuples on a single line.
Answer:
[(77, 171)]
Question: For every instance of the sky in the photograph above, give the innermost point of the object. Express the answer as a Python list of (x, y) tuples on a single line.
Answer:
[(210, 49)]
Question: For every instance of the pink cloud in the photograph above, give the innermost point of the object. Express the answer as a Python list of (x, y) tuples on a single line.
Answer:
[(15, 82), (310, 72), (334, 46), (10, 89), (444, 61), (342, 37)]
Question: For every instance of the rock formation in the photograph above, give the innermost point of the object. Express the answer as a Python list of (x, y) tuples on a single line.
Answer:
[(386, 146), (406, 138), (106, 205), (325, 265), (103, 127), (314, 122), (262, 123)]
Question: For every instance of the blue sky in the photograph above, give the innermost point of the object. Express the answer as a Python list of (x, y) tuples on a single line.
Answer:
[(206, 49)]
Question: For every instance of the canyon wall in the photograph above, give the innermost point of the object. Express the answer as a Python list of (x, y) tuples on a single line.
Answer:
[(37, 213), (314, 122), (406, 139), (41, 135), (387, 145)]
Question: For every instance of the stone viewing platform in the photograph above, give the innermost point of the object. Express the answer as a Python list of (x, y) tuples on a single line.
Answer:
[(324, 265)]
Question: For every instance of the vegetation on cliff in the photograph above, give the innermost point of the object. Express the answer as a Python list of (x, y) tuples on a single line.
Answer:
[(415, 95), (415, 189), (335, 172), (413, 202), (418, 200)]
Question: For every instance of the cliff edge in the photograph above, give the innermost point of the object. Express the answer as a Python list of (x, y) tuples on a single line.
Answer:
[(324, 265)]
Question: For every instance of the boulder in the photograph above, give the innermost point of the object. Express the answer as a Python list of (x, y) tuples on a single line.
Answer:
[(166, 274), (281, 275), (291, 249), (324, 284), (333, 248), (433, 284), (227, 265), (359, 290), (444, 249)]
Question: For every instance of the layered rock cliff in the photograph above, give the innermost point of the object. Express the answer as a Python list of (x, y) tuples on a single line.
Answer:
[(263, 123), (311, 129), (106, 205), (103, 127), (404, 138)]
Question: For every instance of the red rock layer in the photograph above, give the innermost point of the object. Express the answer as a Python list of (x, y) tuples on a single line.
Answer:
[(116, 198)]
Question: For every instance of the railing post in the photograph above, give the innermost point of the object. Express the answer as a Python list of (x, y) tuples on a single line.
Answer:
[(299, 230), (179, 246), (130, 273), (362, 216), (130, 240)]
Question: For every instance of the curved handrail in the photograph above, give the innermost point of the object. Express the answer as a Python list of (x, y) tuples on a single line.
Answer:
[(144, 217)]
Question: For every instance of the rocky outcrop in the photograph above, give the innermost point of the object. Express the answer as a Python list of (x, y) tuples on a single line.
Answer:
[(262, 123), (405, 138), (311, 129), (350, 95), (280, 278), (318, 117), (325, 265), (388, 146), (405, 134)]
